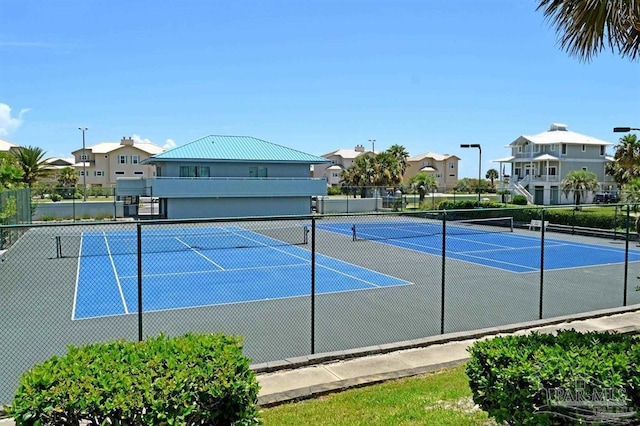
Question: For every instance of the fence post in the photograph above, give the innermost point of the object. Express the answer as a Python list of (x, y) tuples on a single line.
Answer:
[(444, 255), (139, 231), (115, 206), (313, 285), (626, 259), (541, 262)]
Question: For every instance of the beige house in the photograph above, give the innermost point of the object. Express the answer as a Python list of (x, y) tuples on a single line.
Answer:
[(108, 161), (8, 146), (341, 160), (444, 167)]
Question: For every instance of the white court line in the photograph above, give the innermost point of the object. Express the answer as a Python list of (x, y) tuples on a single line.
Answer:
[(242, 302), (75, 291), (199, 254), (571, 243), (309, 261), (206, 271), (115, 273), (454, 253)]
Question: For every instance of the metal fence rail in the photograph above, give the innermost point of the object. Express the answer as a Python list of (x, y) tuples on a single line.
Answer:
[(292, 286)]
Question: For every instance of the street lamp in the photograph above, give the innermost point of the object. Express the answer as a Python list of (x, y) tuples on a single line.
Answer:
[(624, 129), (373, 145), (476, 145), (84, 164)]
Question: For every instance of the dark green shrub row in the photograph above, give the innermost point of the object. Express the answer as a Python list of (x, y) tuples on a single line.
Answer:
[(588, 217), (519, 200), (188, 380), (541, 379)]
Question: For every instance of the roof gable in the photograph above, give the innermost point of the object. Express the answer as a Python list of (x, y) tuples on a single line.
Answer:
[(432, 155), (236, 148), (107, 147), (558, 133), (6, 146)]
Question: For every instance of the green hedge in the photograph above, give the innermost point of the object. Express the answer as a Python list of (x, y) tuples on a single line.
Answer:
[(587, 217), (188, 380), (533, 379)]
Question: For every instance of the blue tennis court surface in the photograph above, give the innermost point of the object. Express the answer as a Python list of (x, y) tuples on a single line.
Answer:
[(191, 268), (504, 250)]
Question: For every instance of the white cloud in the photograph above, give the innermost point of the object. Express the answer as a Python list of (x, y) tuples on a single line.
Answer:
[(9, 124), (139, 139), (170, 143)]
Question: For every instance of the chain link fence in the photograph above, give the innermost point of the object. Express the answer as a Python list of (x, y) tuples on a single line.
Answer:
[(293, 286), (15, 208)]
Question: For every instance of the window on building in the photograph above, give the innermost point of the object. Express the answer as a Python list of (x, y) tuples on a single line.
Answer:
[(83, 157), (537, 148), (335, 175), (602, 149), (452, 164), (80, 172), (158, 171), (584, 169), (257, 172), (135, 159), (564, 148), (194, 171), (552, 148), (519, 149), (118, 172), (98, 173), (552, 171), (138, 172), (516, 171), (584, 147), (438, 175), (122, 159)]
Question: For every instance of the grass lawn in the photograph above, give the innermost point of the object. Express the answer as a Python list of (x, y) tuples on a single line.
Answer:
[(440, 398)]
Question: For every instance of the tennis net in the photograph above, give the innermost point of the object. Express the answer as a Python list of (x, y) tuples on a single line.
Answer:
[(413, 229), (159, 241)]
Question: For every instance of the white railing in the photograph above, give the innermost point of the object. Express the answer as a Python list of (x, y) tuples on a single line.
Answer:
[(520, 190)]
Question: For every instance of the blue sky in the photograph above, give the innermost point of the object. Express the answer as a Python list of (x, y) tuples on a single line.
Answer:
[(310, 75)]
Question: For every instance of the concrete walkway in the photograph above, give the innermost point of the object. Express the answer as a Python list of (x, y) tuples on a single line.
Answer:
[(306, 377), (310, 376)]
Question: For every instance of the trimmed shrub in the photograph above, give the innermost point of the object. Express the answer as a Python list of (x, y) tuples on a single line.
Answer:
[(334, 190), (519, 200), (56, 197), (541, 379), (188, 380)]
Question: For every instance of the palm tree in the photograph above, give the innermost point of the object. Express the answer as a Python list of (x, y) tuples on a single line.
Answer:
[(631, 191), (423, 183), (33, 164), (67, 177), (626, 164), (401, 155), (586, 27), (492, 174), (579, 182)]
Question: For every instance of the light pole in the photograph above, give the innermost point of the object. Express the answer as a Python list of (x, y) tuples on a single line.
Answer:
[(84, 164), (624, 129), (476, 145), (373, 146)]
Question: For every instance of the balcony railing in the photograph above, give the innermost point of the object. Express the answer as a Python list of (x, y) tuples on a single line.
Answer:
[(180, 187)]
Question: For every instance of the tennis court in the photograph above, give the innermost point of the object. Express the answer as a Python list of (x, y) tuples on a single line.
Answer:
[(222, 265), (486, 242)]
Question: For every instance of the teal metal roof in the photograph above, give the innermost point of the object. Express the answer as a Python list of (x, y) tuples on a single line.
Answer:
[(236, 148)]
